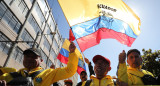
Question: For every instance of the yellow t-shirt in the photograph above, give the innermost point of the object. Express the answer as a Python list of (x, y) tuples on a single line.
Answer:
[(106, 81), (129, 74)]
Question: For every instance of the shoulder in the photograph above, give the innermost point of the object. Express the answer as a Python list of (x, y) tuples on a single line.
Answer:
[(79, 84)]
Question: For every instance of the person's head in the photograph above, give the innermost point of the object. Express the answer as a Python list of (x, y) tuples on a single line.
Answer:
[(83, 76), (32, 58), (52, 66), (102, 66), (68, 82), (134, 58)]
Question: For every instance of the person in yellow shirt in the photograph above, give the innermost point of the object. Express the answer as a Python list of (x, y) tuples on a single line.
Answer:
[(32, 61), (133, 74), (101, 68)]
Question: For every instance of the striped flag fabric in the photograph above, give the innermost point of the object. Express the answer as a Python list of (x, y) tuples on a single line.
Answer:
[(64, 54), (93, 20)]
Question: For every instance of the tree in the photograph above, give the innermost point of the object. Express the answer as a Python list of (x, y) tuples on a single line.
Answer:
[(151, 61)]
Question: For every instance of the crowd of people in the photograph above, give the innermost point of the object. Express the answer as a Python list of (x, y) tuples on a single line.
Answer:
[(34, 75)]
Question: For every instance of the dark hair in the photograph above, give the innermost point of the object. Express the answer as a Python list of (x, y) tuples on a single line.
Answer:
[(83, 72), (68, 83), (133, 50)]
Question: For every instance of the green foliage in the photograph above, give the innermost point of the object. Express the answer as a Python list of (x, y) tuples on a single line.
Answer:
[(151, 61)]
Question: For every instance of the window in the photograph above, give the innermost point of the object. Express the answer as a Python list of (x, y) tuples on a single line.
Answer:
[(39, 13), (18, 55), (46, 44), (51, 24), (34, 24), (9, 18), (49, 63), (49, 32), (22, 6), (44, 8), (44, 57), (4, 46), (54, 55), (27, 37), (3, 9), (31, 1), (55, 46)]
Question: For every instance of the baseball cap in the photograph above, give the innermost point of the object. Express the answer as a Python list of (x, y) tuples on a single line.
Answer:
[(68, 81), (34, 50), (133, 50), (98, 57)]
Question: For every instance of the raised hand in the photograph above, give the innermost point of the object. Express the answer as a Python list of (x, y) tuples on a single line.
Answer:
[(122, 57), (86, 60), (72, 47)]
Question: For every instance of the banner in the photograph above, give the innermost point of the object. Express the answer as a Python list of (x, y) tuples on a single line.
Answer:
[(93, 20)]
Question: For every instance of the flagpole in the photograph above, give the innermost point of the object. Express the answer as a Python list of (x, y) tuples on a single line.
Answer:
[(78, 45)]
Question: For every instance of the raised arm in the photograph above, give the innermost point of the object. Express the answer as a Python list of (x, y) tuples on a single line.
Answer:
[(71, 68), (122, 68), (89, 66)]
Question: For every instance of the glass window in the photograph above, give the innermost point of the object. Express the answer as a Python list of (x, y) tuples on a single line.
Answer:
[(55, 46), (34, 24), (5, 46), (31, 1), (49, 63), (44, 8), (9, 18), (49, 32), (22, 6), (54, 55), (27, 37), (51, 24), (46, 44), (44, 57), (12, 22), (3, 8), (39, 13), (18, 55)]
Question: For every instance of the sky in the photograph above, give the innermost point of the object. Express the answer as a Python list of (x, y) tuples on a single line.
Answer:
[(149, 14)]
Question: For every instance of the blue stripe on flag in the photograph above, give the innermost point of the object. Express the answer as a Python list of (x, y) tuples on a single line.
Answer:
[(64, 52), (89, 27)]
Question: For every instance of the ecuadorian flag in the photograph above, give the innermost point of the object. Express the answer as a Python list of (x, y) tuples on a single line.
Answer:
[(64, 54), (93, 20)]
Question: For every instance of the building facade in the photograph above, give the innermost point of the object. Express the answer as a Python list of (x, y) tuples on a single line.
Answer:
[(25, 24)]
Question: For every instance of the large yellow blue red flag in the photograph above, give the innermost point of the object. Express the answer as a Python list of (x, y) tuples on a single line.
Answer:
[(64, 54), (93, 20)]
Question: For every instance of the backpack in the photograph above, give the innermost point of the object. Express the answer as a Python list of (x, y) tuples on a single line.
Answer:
[(147, 79), (20, 80), (88, 82)]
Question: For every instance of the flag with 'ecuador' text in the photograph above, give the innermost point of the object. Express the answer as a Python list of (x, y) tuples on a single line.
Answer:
[(93, 20)]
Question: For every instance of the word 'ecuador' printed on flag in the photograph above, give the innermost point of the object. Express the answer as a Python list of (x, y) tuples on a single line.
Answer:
[(93, 20), (64, 54)]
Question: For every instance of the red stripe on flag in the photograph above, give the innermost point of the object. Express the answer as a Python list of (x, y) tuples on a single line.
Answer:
[(79, 70), (71, 36), (62, 58), (103, 33)]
